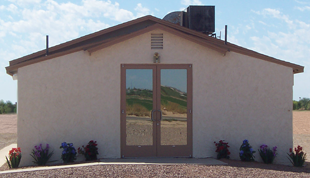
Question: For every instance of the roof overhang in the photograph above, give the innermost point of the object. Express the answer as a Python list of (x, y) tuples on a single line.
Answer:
[(113, 35)]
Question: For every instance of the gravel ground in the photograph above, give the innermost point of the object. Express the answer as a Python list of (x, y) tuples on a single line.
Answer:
[(234, 169)]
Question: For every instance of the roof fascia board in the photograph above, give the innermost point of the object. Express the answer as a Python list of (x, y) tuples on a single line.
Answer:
[(81, 39), (232, 47), (212, 42), (238, 49), (13, 68)]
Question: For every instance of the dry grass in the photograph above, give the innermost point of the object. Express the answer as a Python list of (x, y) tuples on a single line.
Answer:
[(137, 110), (175, 108)]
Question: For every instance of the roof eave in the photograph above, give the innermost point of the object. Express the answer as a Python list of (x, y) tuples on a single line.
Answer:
[(192, 35)]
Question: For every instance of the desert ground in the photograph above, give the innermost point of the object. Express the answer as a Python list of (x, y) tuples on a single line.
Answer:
[(301, 129), (301, 135), (8, 129)]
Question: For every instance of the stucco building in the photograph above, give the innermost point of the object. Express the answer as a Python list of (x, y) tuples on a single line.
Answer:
[(108, 87)]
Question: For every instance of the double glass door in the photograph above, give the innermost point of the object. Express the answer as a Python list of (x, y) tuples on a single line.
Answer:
[(156, 110)]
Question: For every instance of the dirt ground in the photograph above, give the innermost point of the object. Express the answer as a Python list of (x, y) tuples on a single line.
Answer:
[(301, 129), (8, 129)]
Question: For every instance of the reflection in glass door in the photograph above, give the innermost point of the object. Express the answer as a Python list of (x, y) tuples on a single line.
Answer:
[(156, 119), (139, 106), (173, 97)]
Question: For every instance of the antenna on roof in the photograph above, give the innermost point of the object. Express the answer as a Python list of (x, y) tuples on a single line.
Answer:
[(225, 34), (46, 45)]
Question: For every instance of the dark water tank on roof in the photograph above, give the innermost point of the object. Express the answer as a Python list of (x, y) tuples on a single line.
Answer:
[(200, 18)]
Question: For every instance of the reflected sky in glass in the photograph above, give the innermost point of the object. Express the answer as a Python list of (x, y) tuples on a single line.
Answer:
[(142, 78), (139, 78), (176, 78)]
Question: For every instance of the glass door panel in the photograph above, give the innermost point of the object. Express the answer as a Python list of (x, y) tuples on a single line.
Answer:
[(173, 105), (156, 119), (139, 105)]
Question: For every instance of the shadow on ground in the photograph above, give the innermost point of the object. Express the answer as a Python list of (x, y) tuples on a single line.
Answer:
[(274, 167)]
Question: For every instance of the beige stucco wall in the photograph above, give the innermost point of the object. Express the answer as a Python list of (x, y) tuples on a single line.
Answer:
[(76, 98)]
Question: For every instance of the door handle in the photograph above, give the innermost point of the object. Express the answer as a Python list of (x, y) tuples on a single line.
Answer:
[(161, 114), (152, 114)]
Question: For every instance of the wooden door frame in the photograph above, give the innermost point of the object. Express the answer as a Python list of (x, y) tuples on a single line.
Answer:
[(179, 150), (131, 151), (159, 150)]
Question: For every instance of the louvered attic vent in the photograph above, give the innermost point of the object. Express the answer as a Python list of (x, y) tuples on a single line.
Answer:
[(157, 41)]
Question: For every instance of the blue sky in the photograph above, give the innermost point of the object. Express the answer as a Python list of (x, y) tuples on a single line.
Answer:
[(277, 28)]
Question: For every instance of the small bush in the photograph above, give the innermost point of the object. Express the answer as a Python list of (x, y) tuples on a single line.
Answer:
[(222, 149), (41, 155), (15, 155), (267, 154), (68, 154), (90, 151), (246, 151), (298, 158)]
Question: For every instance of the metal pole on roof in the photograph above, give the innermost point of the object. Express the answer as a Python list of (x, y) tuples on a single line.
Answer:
[(225, 34), (46, 45)]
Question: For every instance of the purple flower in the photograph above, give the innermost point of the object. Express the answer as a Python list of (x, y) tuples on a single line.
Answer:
[(47, 146), (64, 144), (245, 141), (241, 152), (38, 154), (274, 149)]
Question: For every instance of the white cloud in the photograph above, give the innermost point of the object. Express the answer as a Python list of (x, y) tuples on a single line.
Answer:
[(191, 2), (61, 21), (276, 14), (25, 2), (95, 26), (303, 8), (141, 11), (261, 22), (256, 12), (290, 46), (11, 8), (302, 2)]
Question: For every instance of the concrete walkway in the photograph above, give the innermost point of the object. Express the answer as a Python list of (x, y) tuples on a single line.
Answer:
[(159, 161), (5, 152)]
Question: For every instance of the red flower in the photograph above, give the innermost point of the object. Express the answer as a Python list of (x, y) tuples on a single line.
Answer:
[(291, 150)]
